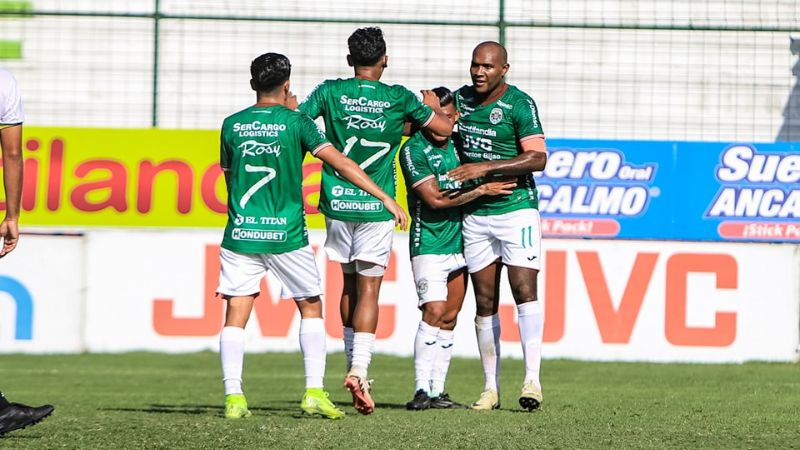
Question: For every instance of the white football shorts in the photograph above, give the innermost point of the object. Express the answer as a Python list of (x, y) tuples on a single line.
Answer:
[(430, 275), (359, 241), (241, 274), (514, 237)]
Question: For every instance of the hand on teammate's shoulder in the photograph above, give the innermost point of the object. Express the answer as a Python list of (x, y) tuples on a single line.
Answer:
[(291, 101)]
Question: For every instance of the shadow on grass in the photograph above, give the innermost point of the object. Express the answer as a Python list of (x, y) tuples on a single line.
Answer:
[(284, 408), (390, 406), (13, 436)]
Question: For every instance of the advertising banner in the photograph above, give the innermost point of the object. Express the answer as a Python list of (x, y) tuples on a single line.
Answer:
[(604, 300), (88, 178), (41, 296), (661, 190), (671, 190)]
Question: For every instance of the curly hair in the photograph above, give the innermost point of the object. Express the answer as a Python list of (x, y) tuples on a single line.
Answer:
[(366, 46), (269, 71)]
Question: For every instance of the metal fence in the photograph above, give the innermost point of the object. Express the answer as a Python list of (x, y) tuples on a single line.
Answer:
[(714, 70)]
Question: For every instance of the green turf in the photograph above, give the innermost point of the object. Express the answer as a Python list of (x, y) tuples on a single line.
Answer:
[(144, 400)]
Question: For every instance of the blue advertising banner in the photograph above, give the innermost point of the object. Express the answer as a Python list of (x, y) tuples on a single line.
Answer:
[(671, 190)]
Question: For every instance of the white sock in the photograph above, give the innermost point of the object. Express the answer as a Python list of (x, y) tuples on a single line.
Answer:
[(312, 343), (231, 352), (362, 353), (488, 331), (442, 363), (531, 329), (348, 346), (425, 350)]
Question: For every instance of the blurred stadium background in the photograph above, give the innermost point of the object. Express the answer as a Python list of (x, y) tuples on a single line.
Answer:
[(123, 208), (712, 70), (645, 105)]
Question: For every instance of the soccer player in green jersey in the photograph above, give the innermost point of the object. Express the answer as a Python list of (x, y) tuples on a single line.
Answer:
[(365, 119), (500, 134), (261, 154), (436, 250)]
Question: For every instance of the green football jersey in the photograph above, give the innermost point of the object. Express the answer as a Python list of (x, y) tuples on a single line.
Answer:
[(262, 149), (364, 120), (493, 132), (433, 231)]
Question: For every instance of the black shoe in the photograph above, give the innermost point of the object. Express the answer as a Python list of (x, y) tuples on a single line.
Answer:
[(17, 416), (443, 402), (420, 401)]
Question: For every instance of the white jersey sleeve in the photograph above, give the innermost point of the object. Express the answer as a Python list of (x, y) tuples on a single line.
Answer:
[(10, 100)]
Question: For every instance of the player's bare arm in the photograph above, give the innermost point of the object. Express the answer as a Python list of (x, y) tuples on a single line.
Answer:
[(353, 173), (435, 198), (409, 129), (532, 159), (441, 124), (10, 141)]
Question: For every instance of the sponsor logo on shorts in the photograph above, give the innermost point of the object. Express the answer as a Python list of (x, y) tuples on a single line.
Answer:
[(353, 205), (422, 286), (496, 116), (244, 234)]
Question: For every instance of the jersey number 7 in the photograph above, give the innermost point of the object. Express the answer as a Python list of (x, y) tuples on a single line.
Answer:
[(270, 175)]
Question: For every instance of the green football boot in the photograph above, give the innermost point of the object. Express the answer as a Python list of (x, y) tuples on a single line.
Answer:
[(236, 407), (316, 401)]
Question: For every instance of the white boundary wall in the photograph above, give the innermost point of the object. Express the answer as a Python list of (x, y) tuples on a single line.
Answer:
[(123, 290), (587, 82)]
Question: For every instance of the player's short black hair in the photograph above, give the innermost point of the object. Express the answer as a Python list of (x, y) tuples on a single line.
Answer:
[(269, 71), (366, 46), (445, 96)]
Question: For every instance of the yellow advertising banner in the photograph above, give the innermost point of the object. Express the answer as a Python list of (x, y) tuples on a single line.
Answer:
[(85, 177)]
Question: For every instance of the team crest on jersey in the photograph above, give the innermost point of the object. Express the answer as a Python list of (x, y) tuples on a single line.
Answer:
[(496, 116)]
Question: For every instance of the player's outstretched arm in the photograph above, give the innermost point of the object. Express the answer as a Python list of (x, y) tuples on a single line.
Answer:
[(353, 173), (532, 159), (440, 124), (429, 192), (11, 142)]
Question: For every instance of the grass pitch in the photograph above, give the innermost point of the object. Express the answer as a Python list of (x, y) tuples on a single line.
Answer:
[(144, 400)]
